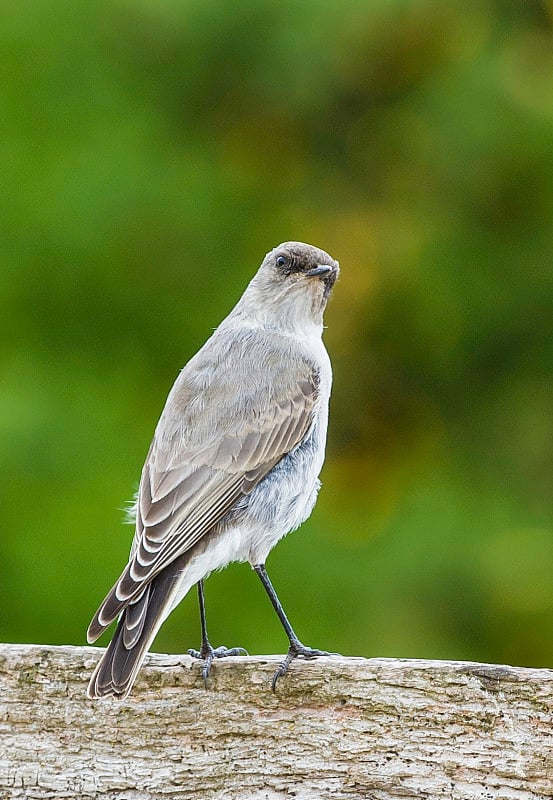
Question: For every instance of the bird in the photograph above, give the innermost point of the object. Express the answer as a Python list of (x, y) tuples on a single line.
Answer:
[(233, 466)]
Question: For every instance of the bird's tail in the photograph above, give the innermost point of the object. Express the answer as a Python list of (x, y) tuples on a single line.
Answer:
[(138, 625)]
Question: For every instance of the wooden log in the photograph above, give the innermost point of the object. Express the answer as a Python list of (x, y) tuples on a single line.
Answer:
[(337, 728)]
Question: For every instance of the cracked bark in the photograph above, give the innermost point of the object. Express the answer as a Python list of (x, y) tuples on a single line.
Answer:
[(338, 728)]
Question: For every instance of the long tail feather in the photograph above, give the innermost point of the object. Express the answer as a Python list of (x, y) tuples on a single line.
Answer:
[(116, 671)]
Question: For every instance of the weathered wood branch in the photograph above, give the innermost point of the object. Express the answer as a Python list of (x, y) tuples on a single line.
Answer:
[(337, 728)]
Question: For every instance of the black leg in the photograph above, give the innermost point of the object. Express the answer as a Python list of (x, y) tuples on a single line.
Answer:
[(203, 622), (296, 647), (206, 652)]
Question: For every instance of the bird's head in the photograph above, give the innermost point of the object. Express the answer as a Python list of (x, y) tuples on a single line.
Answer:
[(293, 284), (298, 264)]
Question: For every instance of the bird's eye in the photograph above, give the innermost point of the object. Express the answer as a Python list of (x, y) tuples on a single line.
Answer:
[(281, 261)]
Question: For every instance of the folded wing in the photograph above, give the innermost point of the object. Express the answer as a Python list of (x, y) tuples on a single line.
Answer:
[(190, 482)]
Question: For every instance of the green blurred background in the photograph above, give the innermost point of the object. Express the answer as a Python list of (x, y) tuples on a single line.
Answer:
[(152, 151)]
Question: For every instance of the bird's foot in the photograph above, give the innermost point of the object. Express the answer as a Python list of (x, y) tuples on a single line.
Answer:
[(207, 653), (296, 649)]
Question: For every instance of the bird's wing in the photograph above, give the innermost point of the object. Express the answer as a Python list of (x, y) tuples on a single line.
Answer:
[(190, 480)]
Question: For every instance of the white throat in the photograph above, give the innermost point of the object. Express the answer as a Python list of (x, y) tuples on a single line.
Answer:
[(295, 310)]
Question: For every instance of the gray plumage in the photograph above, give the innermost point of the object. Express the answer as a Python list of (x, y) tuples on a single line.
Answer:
[(234, 463)]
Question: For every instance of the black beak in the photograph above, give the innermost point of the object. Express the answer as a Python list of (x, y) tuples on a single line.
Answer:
[(320, 269)]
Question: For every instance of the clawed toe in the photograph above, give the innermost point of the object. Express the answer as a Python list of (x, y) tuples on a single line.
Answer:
[(296, 650), (223, 652), (208, 653)]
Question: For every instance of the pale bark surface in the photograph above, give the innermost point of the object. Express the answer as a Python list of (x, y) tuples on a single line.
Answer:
[(337, 728)]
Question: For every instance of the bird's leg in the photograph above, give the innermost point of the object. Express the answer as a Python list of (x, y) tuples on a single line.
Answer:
[(206, 652), (296, 647)]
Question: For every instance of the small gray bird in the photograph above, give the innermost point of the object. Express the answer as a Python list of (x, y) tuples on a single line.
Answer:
[(234, 463)]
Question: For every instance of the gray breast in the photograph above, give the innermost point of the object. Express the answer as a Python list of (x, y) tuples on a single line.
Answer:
[(283, 499)]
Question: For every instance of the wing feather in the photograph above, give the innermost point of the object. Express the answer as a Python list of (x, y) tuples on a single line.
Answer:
[(135, 619)]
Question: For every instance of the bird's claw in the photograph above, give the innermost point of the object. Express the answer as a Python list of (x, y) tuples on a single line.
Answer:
[(207, 653), (223, 652), (296, 650)]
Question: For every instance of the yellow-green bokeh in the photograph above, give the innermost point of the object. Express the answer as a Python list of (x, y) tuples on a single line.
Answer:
[(151, 153)]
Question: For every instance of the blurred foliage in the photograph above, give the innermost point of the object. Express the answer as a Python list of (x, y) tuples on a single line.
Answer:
[(151, 153)]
